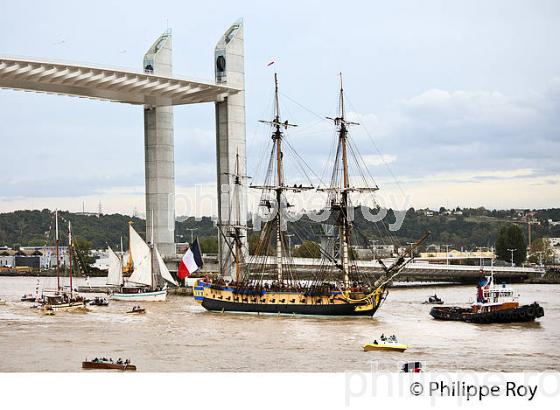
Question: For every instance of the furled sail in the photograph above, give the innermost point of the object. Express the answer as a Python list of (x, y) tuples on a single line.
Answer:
[(141, 256), (114, 277), (163, 269)]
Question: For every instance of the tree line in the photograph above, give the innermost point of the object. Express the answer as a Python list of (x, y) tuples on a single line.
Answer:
[(468, 229)]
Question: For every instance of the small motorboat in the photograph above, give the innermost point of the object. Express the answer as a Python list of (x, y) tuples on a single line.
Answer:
[(138, 310), (108, 364), (28, 297), (433, 300), (412, 367), (48, 311), (386, 343), (99, 301), (2, 302)]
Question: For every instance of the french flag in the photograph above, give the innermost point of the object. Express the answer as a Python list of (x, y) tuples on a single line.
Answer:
[(191, 262)]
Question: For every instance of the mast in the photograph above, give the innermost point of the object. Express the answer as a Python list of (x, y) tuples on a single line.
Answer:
[(152, 256), (57, 242), (341, 189), (344, 227), (70, 254), (237, 233), (277, 137), (234, 227), (278, 185)]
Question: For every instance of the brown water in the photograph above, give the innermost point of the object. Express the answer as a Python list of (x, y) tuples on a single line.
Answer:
[(180, 335)]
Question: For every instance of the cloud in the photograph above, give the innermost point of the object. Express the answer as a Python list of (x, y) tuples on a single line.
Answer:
[(439, 130), (451, 136)]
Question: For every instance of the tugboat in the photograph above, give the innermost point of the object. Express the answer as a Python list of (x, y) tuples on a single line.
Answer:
[(433, 300), (269, 282), (387, 344), (108, 364), (495, 304)]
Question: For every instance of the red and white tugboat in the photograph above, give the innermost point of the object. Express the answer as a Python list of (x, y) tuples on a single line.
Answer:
[(495, 303)]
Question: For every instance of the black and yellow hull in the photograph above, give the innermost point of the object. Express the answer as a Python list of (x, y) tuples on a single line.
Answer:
[(288, 303)]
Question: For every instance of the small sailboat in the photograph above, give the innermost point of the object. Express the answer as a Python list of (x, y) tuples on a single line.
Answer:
[(60, 299), (149, 278)]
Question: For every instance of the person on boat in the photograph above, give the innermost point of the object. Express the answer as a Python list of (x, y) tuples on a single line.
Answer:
[(375, 342), (383, 338)]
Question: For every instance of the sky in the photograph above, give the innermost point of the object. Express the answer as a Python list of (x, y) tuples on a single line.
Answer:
[(458, 101)]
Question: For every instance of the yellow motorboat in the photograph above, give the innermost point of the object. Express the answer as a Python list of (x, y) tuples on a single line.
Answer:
[(390, 344)]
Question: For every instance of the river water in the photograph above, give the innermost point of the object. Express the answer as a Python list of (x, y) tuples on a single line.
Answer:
[(179, 335)]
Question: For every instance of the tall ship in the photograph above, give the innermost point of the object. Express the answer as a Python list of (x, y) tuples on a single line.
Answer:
[(268, 281), (149, 278)]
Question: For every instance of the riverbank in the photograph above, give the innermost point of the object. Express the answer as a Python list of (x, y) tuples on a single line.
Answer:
[(50, 273), (546, 279)]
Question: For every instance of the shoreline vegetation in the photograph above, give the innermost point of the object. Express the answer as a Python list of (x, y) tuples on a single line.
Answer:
[(466, 228)]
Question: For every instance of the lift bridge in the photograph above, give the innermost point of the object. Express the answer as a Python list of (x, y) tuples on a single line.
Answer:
[(157, 90)]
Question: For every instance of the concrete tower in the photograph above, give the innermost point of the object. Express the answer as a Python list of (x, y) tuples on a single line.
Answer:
[(230, 131), (158, 145)]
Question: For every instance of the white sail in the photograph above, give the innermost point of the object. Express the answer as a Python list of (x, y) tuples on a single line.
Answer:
[(164, 272), (141, 256), (114, 277), (138, 248)]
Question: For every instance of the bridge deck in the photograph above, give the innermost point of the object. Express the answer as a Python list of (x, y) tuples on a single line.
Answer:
[(109, 84)]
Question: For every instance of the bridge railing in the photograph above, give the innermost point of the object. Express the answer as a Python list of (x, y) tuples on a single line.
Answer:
[(412, 265)]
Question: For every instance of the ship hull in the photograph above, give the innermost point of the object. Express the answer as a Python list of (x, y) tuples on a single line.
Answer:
[(286, 309), (107, 366), (526, 313), (157, 296)]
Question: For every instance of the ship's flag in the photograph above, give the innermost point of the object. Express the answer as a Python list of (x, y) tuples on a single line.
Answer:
[(269, 64), (191, 262)]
